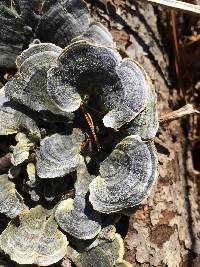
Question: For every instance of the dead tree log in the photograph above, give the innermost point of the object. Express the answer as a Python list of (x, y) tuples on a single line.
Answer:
[(165, 230)]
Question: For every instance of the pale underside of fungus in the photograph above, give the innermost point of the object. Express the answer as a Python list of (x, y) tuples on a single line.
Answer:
[(21, 150), (80, 121)]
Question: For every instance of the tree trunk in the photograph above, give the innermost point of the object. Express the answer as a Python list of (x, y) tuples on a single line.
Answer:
[(165, 230)]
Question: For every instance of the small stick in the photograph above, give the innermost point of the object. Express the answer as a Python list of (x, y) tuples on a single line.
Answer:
[(177, 5), (191, 42), (177, 114), (91, 125)]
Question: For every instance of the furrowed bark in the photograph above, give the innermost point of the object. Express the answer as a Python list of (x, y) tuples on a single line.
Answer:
[(165, 230)]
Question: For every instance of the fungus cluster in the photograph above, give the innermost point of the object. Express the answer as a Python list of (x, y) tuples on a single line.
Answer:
[(81, 122)]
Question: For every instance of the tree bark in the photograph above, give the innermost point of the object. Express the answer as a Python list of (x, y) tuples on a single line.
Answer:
[(165, 229)]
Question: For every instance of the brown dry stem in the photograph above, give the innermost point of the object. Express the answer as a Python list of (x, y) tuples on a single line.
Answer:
[(177, 5), (178, 114), (91, 125)]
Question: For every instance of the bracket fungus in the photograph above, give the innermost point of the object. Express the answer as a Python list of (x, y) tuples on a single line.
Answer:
[(66, 95), (119, 86), (97, 34), (107, 253), (63, 21), (126, 176), (11, 202), (12, 36), (59, 22), (12, 120), (146, 122), (27, 11), (28, 87), (59, 154), (34, 238), (76, 216), (35, 49)]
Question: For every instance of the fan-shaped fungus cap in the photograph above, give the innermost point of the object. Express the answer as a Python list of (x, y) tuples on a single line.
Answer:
[(97, 34), (146, 123), (59, 154), (35, 49), (63, 21), (119, 86), (29, 85), (126, 176), (106, 254), (76, 216), (35, 239), (12, 37), (11, 202), (12, 120)]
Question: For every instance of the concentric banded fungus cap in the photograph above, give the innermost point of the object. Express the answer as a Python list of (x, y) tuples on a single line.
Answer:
[(12, 37), (115, 86), (106, 254), (29, 85), (97, 34), (11, 202), (146, 123), (35, 49), (35, 239), (59, 154), (126, 176), (13, 120), (64, 20), (88, 258), (76, 216), (114, 249)]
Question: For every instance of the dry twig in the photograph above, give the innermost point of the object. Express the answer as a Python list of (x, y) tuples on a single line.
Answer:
[(177, 114), (91, 125), (177, 5)]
